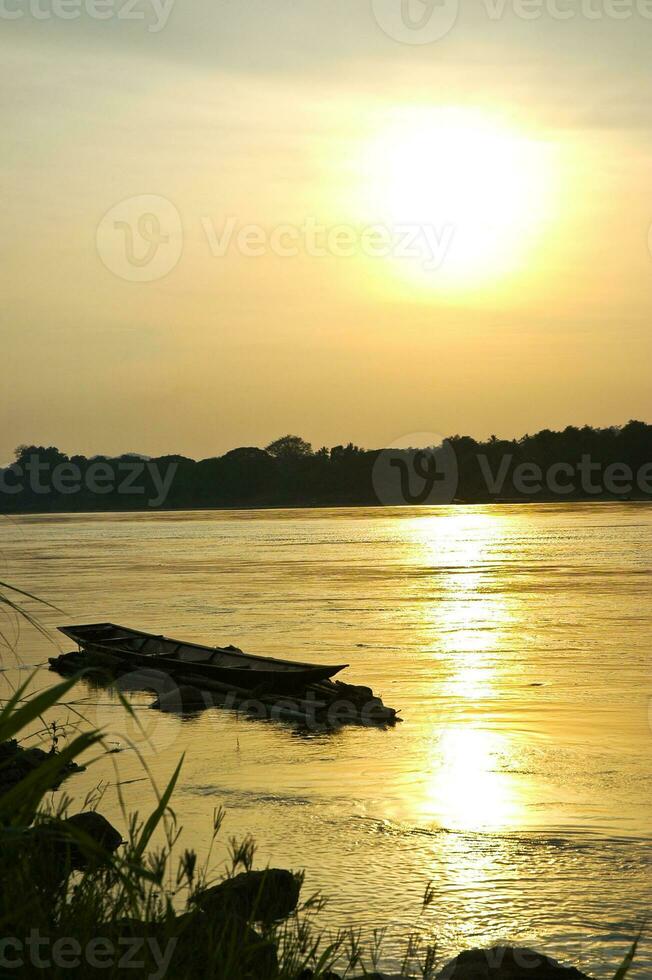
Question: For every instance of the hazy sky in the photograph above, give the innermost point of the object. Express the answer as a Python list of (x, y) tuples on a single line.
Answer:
[(513, 154)]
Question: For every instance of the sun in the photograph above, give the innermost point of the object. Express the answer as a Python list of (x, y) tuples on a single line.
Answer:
[(473, 192)]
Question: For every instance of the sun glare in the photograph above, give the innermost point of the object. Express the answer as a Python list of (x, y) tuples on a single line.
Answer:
[(475, 191)]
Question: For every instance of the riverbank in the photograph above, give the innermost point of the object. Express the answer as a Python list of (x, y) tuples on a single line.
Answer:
[(251, 925)]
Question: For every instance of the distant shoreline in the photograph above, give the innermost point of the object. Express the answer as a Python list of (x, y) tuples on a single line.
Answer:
[(572, 466), (324, 506)]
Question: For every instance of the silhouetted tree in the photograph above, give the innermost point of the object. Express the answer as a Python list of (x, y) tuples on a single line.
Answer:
[(289, 447), (50, 455)]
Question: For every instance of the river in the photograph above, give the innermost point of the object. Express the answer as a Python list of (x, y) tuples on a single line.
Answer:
[(516, 640)]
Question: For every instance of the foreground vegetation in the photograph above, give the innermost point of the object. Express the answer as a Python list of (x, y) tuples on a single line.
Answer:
[(73, 901)]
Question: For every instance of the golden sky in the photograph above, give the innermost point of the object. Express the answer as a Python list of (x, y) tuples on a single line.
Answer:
[(281, 157)]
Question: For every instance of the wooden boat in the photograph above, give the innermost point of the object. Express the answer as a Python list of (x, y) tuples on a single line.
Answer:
[(225, 664)]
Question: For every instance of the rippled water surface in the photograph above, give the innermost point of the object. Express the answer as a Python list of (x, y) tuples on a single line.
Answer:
[(516, 641)]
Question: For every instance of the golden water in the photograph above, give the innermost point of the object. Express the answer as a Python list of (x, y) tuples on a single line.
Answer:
[(516, 640)]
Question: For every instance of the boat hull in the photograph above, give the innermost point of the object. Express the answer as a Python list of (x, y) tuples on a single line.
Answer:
[(226, 665)]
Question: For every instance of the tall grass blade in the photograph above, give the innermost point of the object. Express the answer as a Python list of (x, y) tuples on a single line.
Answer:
[(12, 721), (18, 805), (156, 816), (625, 966)]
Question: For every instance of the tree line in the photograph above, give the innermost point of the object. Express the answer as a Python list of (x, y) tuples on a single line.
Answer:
[(575, 463)]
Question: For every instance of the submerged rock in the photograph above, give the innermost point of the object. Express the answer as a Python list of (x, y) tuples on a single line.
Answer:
[(51, 850), (103, 665), (355, 692), (100, 660), (507, 963), (67, 663), (309, 974), (95, 826), (326, 704), (254, 896), (16, 763), (184, 698), (58, 846)]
